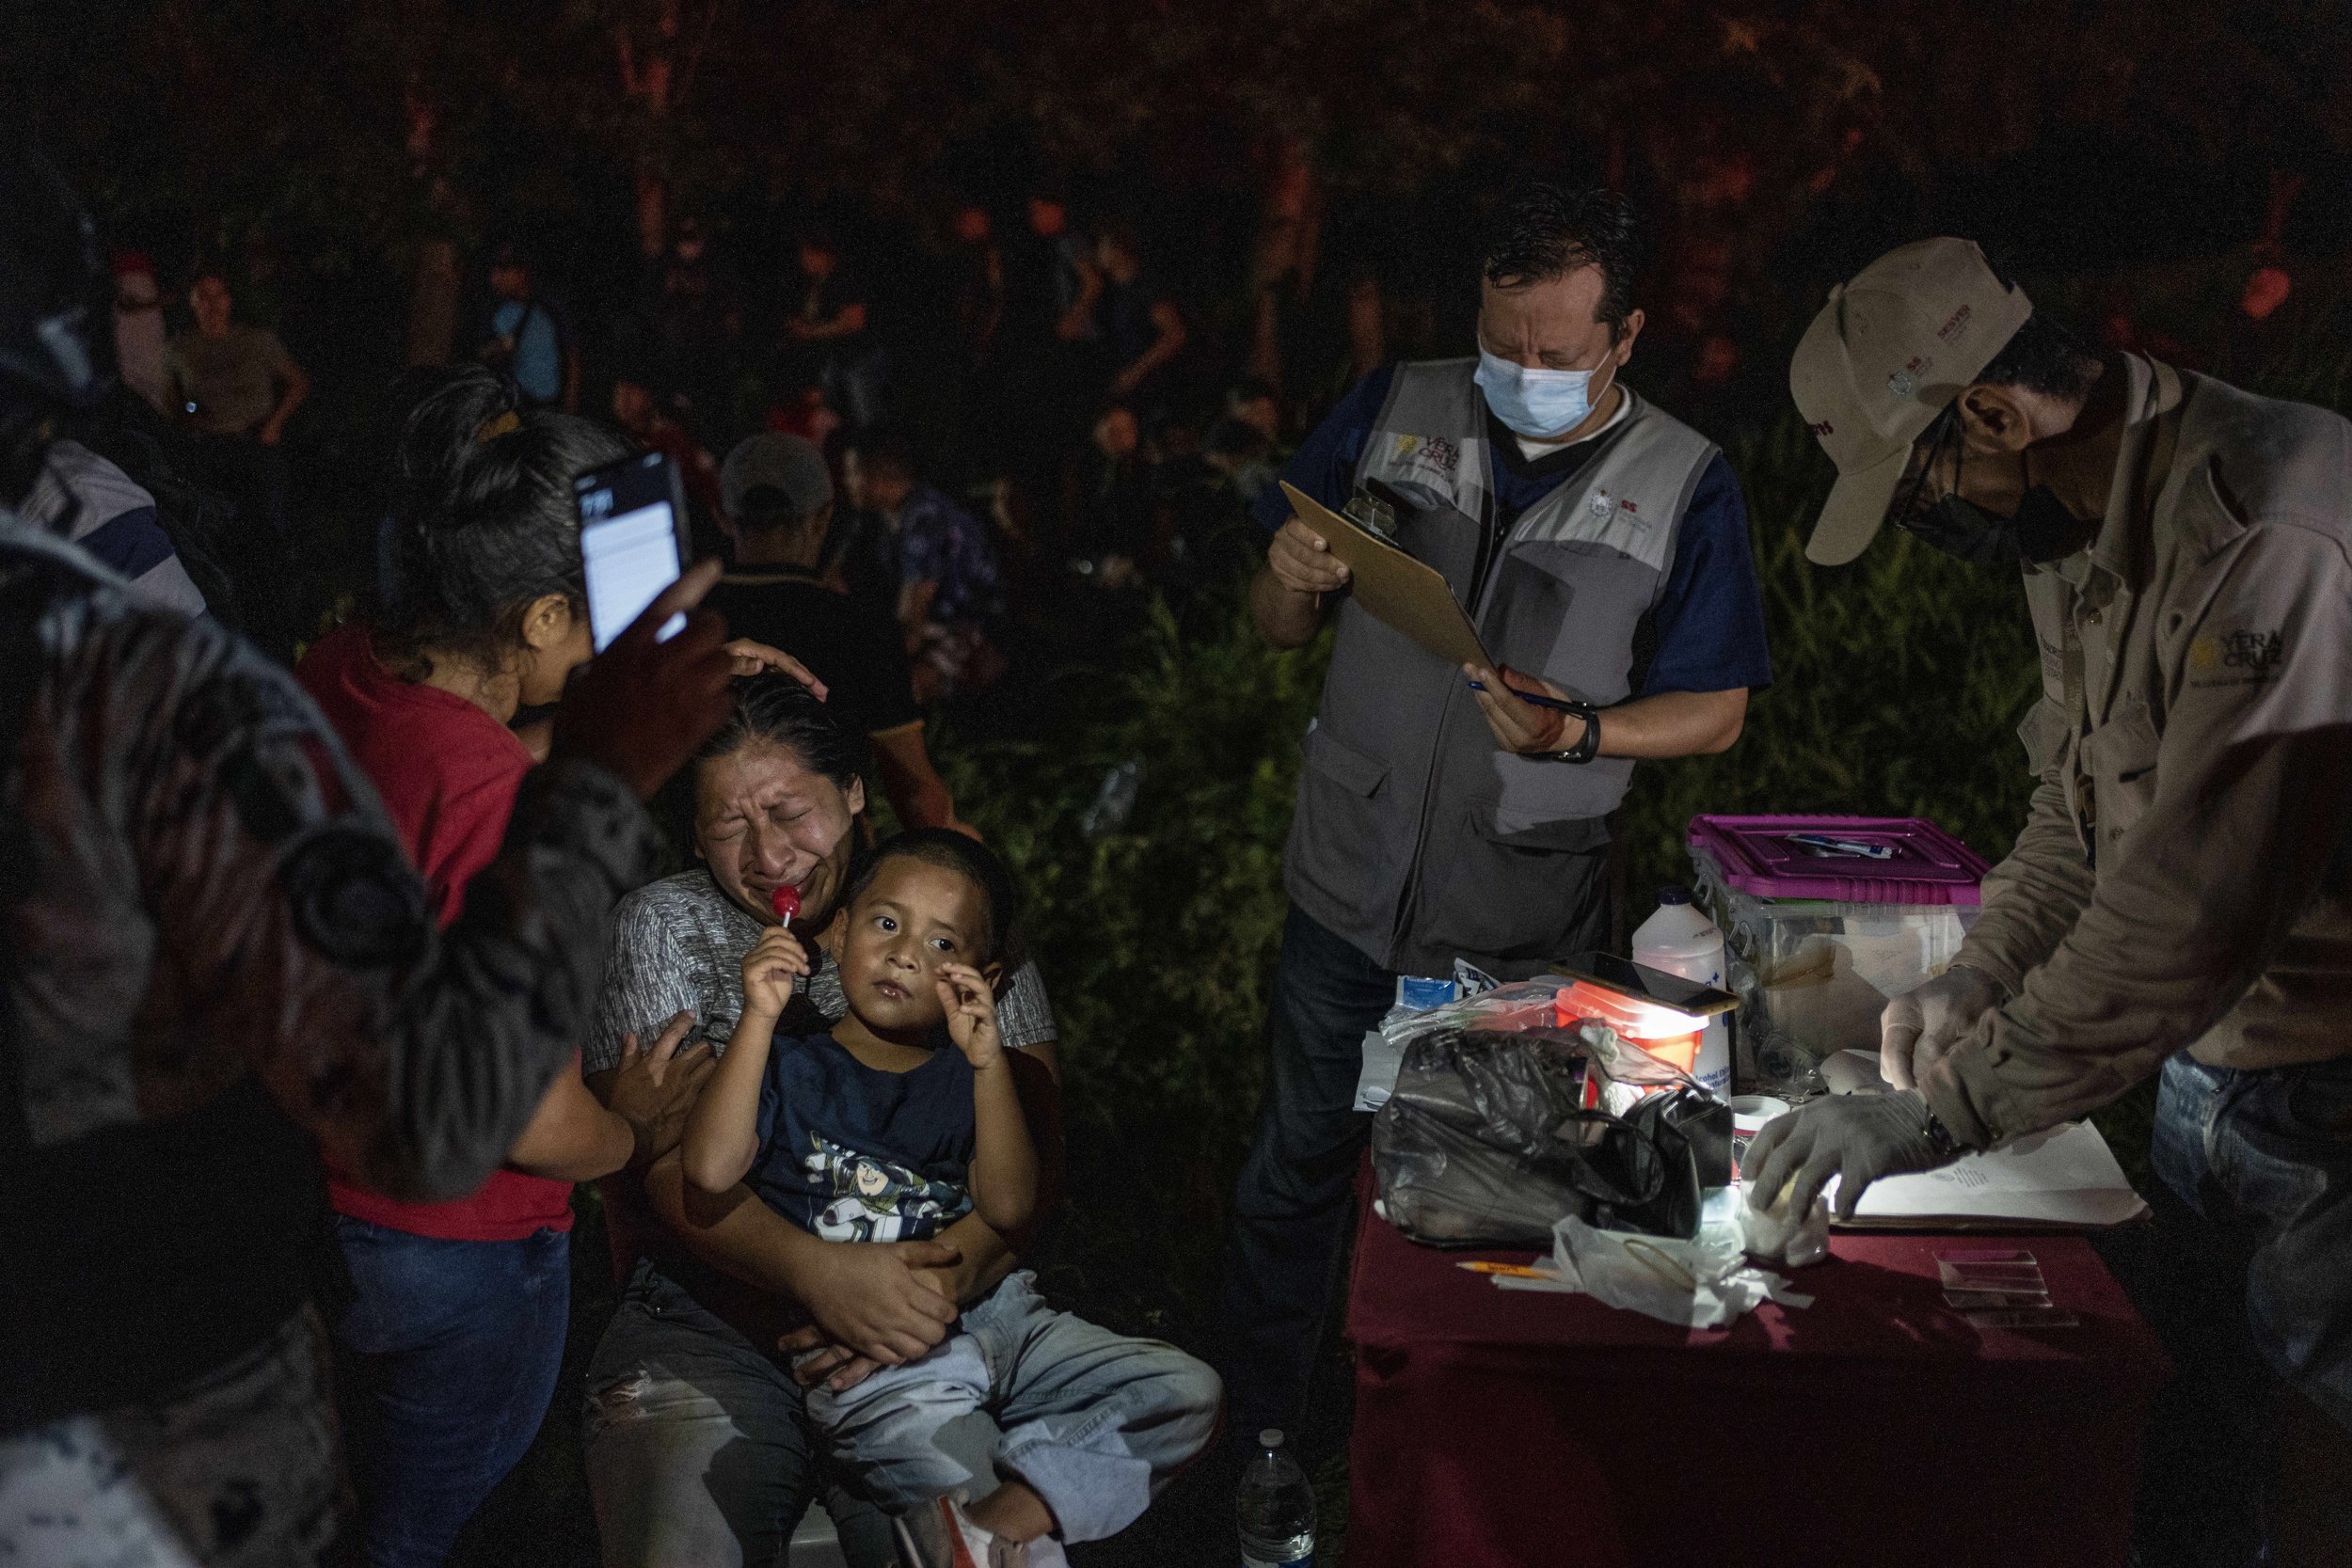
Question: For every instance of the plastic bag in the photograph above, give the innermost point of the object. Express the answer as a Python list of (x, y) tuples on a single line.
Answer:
[(1700, 1283), (1486, 1140)]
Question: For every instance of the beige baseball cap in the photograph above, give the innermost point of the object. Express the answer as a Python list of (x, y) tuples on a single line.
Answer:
[(1887, 353)]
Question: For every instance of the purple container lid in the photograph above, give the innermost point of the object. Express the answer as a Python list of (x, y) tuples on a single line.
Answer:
[(1927, 866)]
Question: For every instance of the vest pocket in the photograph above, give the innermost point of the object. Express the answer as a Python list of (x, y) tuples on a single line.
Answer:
[(1503, 887), (1340, 839)]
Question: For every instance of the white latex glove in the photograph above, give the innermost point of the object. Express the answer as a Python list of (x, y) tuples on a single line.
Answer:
[(1919, 1026)]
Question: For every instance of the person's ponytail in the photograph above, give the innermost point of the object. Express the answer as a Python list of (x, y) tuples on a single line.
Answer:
[(481, 521)]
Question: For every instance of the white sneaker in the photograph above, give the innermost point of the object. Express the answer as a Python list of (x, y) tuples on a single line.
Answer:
[(940, 1534)]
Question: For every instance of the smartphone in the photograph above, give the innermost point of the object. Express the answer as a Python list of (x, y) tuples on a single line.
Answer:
[(632, 541)]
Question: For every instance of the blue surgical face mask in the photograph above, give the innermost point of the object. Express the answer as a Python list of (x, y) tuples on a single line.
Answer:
[(1538, 405)]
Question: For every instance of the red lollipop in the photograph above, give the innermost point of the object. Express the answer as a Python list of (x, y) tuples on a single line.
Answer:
[(786, 901)]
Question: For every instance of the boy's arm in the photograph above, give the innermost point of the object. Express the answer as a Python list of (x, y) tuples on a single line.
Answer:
[(723, 1134), (723, 1130), (1003, 1157)]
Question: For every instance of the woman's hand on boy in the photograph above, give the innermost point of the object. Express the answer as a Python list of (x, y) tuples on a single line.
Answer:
[(971, 1005), (769, 969), (656, 1088), (871, 1299)]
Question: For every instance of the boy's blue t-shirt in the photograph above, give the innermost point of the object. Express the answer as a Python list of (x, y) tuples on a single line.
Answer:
[(851, 1154)]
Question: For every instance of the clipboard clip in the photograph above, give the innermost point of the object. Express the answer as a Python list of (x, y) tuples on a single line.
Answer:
[(1375, 515)]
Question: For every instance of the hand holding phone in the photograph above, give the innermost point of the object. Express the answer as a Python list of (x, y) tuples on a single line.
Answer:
[(640, 708), (632, 540)]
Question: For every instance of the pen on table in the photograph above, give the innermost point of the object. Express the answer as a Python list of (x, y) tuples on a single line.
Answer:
[(1515, 1271)]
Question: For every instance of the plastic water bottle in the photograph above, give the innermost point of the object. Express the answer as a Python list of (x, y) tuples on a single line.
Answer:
[(1275, 1509), (1680, 940)]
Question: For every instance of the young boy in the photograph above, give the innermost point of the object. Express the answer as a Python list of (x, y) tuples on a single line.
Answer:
[(897, 1124)]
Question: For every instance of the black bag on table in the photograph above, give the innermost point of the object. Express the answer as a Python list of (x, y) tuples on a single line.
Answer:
[(1485, 1141)]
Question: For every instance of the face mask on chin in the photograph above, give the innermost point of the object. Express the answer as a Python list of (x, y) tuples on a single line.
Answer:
[(1542, 405)]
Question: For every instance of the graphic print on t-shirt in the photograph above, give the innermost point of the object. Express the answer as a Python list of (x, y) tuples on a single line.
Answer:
[(877, 1201)]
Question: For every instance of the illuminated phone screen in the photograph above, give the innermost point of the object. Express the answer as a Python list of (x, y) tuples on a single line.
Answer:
[(632, 541)]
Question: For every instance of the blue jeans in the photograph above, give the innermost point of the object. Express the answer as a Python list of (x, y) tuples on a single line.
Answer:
[(1292, 1204), (700, 1453), (2267, 1158), (449, 1354), (1094, 1421)]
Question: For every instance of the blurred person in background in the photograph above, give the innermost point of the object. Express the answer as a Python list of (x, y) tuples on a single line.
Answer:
[(140, 335), (831, 326), (637, 409), (778, 504), (1145, 329), (949, 588), (218, 960), (235, 386), (698, 321), (529, 339), (1253, 403)]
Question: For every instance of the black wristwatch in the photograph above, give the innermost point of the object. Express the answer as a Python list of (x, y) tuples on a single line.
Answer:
[(1588, 746)]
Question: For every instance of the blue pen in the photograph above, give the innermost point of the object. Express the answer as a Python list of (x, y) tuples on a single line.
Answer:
[(1536, 697)]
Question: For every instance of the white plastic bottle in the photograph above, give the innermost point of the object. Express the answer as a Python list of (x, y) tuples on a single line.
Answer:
[(1275, 1509), (1678, 939)]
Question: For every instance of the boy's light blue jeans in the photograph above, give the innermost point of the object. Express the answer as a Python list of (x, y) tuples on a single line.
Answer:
[(1094, 1421)]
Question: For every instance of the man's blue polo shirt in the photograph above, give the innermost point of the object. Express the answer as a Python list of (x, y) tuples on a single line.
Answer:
[(1709, 620)]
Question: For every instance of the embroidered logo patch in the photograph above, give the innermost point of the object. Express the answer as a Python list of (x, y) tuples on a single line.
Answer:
[(2223, 658), (1434, 452)]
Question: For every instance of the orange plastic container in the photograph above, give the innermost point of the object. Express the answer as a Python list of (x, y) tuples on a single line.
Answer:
[(1671, 1037)]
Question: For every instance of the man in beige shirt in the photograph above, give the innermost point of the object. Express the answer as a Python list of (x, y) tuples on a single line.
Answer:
[(235, 386), (2180, 899)]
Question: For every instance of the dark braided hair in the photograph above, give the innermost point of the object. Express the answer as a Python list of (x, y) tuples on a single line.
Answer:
[(482, 521)]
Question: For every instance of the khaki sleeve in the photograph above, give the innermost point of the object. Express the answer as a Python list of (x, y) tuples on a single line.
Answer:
[(2250, 800), (2034, 896)]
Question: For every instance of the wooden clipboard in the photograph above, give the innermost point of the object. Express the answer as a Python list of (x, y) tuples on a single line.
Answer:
[(1396, 589)]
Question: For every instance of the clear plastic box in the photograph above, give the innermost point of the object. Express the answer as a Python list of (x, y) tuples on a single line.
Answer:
[(1818, 937)]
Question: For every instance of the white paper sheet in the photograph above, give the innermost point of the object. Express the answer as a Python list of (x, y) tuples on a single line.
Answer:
[(2062, 1176)]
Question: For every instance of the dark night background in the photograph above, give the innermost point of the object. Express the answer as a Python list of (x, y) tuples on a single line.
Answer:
[(1303, 174)]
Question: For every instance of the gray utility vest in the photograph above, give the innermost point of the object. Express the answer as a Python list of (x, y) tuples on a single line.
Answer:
[(1417, 838)]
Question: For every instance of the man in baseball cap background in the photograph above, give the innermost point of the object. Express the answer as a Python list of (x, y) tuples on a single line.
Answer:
[(2179, 902), (776, 494)]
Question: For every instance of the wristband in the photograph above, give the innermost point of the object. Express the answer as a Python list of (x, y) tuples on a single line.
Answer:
[(1588, 745)]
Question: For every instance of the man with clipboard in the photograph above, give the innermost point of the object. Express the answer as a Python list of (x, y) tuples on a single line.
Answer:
[(1598, 549)]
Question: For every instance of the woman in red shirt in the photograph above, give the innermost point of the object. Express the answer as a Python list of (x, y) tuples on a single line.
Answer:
[(451, 1346)]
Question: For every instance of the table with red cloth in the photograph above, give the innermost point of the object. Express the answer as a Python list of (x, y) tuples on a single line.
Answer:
[(1875, 1426)]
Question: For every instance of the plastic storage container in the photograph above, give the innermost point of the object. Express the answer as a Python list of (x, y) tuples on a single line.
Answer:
[(1824, 918)]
